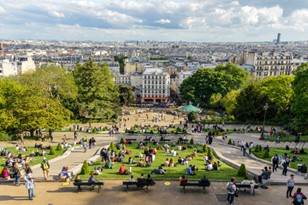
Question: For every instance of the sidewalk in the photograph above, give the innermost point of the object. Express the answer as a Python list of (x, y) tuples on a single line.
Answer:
[(235, 157), (73, 160)]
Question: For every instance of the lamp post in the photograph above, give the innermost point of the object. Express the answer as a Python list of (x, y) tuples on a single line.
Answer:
[(265, 109)]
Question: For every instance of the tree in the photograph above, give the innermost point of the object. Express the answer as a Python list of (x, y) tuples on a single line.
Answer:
[(56, 81), (85, 168), (9, 90), (199, 87), (229, 101), (126, 94), (121, 60), (192, 116), (299, 105), (240, 77), (32, 109), (279, 91), (98, 95), (250, 104), (215, 100)]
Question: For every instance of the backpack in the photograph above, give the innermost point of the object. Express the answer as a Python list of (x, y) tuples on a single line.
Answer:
[(299, 198), (230, 187), (45, 166)]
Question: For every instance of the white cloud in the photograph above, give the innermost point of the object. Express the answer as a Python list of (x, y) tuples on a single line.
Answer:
[(253, 16), (56, 14), (163, 21), (2, 10)]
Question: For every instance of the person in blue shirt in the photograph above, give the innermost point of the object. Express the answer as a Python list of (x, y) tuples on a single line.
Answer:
[(189, 170)]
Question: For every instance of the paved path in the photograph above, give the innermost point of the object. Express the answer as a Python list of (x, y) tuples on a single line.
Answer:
[(74, 159), (234, 156)]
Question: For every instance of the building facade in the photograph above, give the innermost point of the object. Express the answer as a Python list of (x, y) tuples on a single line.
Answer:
[(155, 85)]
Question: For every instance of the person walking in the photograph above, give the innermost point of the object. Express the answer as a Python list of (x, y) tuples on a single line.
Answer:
[(275, 162), (285, 165), (231, 188), (290, 185), (45, 167), (85, 145), (30, 187), (298, 197)]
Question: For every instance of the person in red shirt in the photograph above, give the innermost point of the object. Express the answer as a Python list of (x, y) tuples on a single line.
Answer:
[(298, 197), (122, 169), (5, 173), (183, 180)]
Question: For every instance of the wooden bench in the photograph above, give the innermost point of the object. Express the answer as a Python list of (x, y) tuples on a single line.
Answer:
[(165, 140), (91, 184), (246, 186), (196, 183), (131, 139), (137, 184)]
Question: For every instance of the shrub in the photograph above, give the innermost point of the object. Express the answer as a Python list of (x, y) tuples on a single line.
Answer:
[(85, 168), (257, 149), (59, 147), (112, 147), (230, 142), (52, 151), (178, 129), (122, 141), (4, 136), (191, 141), (265, 154), (94, 130), (192, 116), (210, 153), (281, 134), (205, 148), (242, 171)]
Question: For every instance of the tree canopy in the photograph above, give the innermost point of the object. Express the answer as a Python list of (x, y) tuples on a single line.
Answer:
[(199, 87), (98, 95), (299, 105)]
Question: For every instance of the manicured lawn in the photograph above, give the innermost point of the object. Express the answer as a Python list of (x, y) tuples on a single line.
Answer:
[(281, 151), (288, 139), (225, 172), (35, 159)]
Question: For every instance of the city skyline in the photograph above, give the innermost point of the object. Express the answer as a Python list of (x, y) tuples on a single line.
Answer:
[(177, 20)]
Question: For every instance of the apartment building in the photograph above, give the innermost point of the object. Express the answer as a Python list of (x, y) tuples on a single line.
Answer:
[(155, 85), (268, 63)]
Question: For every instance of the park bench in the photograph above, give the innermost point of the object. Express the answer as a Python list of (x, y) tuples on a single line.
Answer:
[(195, 183), (131, 139), (246, 186), (137, 184), (91, 184), (132, 132), (165, 140)]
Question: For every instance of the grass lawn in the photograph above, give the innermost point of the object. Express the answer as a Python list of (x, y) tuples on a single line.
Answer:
[(35, 159), (288, 139), (225, 172), (281, 151)]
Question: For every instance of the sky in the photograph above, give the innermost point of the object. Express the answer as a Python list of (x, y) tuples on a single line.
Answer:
[(161, 20)]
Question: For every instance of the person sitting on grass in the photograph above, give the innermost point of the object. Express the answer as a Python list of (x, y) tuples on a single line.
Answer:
[(140, 163), (295, 158), (171, 163), (166, 164), (215, 166), (123, 170), (302, 151), (159, 170), (189, 170), (5, 173), (98, 170)]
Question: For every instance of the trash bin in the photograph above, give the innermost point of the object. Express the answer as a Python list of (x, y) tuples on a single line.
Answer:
[(299, 167)]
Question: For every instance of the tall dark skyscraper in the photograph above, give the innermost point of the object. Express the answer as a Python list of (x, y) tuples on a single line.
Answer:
[(278, 38)]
